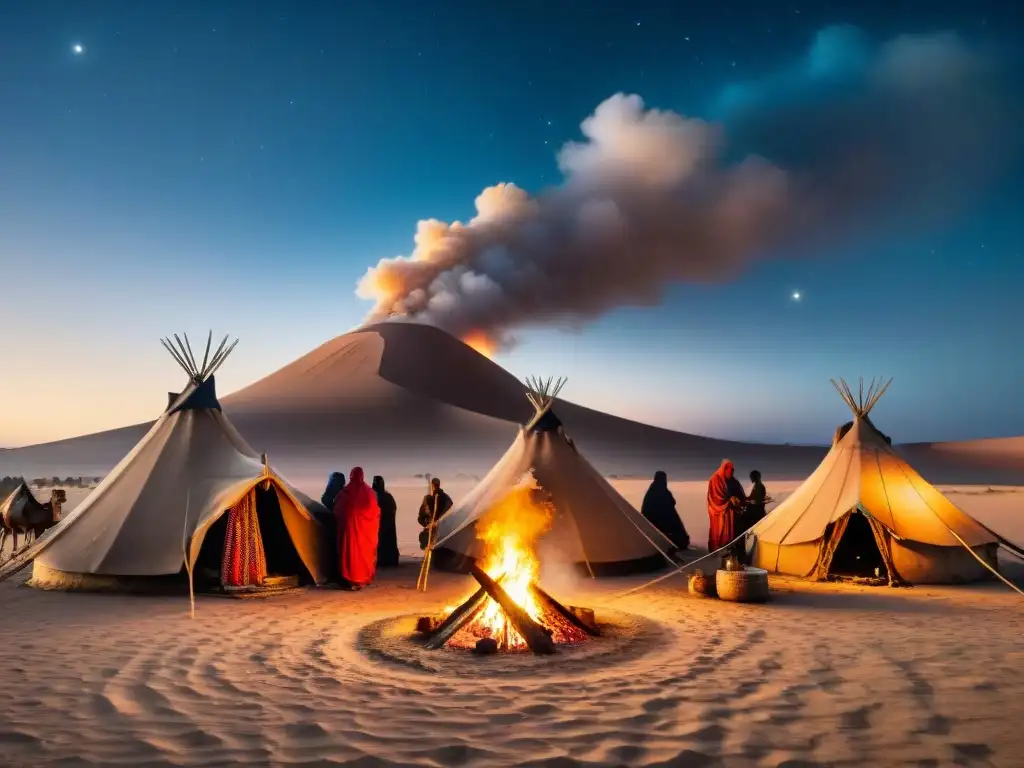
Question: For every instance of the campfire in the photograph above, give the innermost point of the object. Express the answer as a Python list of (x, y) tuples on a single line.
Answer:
[(510, 611)]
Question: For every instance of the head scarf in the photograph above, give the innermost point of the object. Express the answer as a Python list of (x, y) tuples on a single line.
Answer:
[(660, 478), (335, 484), (378, 484), (357, 490)]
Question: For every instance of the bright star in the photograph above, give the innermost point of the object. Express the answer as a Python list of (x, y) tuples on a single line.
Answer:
[(77, 49), (796, 295)]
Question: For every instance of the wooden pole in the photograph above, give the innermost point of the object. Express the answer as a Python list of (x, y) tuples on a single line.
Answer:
[(421, 582)]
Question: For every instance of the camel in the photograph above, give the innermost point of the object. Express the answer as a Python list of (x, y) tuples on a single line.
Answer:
[(20, 513)]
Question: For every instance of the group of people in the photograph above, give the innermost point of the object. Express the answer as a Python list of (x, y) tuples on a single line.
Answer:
[(731, 510), (365, 526), (367, 536)]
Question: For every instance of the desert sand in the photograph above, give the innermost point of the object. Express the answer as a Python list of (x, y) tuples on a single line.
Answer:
[(824, 674)]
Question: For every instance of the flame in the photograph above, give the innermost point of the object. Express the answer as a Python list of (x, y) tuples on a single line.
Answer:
[(510, 531), (481, 342)]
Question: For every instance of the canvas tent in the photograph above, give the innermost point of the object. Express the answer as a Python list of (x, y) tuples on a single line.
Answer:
[(594, 527), (163, 509), (865, 507)]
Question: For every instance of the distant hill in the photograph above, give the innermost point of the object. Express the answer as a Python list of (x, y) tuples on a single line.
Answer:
[(404, 398)]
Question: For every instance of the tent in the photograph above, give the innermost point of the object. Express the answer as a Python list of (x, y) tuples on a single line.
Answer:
[(594, 527), (865, 508), (189, 486)]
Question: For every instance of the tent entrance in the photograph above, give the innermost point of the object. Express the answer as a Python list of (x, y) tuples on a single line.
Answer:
[(249, 548), (856, 553)]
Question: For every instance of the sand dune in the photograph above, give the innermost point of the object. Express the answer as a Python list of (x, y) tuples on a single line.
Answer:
[(822, 675), (406, 398)]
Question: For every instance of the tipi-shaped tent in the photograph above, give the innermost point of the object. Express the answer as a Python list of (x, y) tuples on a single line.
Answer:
[(865, 508), (191, 496), (593, 527)]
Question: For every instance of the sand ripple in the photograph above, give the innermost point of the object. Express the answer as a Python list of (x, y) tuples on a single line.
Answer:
[(823, 675)]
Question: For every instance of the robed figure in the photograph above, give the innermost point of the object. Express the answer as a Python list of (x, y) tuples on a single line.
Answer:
[(358, 520), (659, 507), (387, 537), (725, 503)]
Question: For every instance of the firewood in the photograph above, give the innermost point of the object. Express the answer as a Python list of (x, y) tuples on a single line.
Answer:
[(586, 615), (565, 613), (456, 620), (538, 640)]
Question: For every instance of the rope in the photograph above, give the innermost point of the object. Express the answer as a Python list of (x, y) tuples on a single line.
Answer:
[(1011, 549), (963, 543), (675, 572), (981, 560)]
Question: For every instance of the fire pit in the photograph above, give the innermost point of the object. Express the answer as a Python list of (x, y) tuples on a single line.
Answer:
[(497, 619), (510, 611)]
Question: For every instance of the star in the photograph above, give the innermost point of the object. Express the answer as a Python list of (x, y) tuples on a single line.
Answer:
[(796, 296), (78, 49)]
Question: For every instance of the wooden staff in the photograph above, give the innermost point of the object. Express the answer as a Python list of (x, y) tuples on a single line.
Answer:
[(421, 582)]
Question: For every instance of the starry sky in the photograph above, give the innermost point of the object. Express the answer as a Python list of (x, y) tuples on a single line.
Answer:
[(176, 166)]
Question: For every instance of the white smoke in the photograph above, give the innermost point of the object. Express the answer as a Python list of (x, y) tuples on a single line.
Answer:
[(857, 137)]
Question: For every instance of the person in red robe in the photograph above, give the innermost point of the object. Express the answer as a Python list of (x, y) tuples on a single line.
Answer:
[(725, 501), (358, 521)]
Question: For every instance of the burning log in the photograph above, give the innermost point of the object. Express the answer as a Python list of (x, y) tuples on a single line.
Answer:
[(537, 637), (553, 605), (457, 620)]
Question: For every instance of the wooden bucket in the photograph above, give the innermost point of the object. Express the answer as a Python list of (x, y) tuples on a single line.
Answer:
[(747, 586)]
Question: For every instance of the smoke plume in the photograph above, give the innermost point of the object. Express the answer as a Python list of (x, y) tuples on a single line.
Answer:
[(851, 138)]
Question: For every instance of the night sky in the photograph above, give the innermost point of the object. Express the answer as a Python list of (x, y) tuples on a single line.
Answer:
[(178, 166)]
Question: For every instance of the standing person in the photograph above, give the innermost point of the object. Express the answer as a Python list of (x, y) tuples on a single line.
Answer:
[(387, 537), (434, 506), (358, 520), (725, 502), (335, 484), (756, 499), (659, 507)]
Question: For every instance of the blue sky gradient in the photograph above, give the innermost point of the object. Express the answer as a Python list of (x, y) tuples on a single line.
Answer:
[(198, 166)]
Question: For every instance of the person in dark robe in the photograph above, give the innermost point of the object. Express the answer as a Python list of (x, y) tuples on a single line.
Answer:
[(433, 507), (387, 537), (756, 499), (659, 507), (358, 521), (725, 502), (335, 483)]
